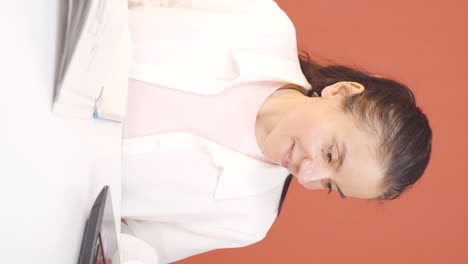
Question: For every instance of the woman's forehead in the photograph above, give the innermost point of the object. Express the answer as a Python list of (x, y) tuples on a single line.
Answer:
[(361, 173)]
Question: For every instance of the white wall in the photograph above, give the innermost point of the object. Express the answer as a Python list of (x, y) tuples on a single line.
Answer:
[(51, 168)]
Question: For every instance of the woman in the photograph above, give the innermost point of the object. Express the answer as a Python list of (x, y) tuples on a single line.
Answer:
[(222, 113)]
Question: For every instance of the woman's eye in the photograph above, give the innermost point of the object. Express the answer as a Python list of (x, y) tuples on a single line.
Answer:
[(329, 186), (329, 154)]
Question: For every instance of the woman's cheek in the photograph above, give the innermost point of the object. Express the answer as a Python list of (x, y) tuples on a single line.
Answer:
[(309, 173), (314, 185)]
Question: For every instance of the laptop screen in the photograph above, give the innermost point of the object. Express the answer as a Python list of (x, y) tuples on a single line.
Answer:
[(100, 245)]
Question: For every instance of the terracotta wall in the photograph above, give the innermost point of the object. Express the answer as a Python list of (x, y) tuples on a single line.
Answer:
[(424, 45)]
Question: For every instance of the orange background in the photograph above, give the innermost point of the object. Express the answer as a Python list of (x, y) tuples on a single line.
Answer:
[(424, 45)]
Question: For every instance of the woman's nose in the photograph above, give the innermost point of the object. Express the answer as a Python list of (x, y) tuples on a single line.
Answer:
[(310, 173)]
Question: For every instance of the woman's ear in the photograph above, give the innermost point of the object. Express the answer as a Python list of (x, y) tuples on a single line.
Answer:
[(343, 88)]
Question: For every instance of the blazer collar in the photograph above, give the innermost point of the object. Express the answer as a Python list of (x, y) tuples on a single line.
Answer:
[(261, 67), (251, 67), (241, 175)]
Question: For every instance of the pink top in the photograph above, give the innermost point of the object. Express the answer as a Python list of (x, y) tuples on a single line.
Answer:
[(227, 118)]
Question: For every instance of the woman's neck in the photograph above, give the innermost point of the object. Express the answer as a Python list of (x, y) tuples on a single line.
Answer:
[(273, 109)]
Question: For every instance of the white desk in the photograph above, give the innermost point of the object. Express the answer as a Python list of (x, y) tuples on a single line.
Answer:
[(52, 167)]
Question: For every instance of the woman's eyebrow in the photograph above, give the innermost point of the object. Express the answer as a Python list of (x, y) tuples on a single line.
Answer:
[(342, 152)]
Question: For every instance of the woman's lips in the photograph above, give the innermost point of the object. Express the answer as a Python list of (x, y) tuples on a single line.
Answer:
[(286, 160)]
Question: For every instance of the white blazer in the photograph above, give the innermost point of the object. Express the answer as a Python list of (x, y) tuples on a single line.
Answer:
[(183, 194)]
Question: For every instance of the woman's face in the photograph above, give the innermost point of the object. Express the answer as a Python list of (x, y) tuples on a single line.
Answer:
[(327, 148)]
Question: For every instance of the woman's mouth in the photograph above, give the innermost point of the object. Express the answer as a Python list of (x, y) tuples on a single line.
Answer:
[(286, 160)]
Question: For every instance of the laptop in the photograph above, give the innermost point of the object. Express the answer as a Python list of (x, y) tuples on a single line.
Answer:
[(100, 244)]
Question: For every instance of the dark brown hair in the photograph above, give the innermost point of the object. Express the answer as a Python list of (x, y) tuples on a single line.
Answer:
[(387, 109)]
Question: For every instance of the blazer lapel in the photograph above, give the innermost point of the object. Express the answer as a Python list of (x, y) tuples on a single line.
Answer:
[(259, 67), (251, 67), (241, 175)]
